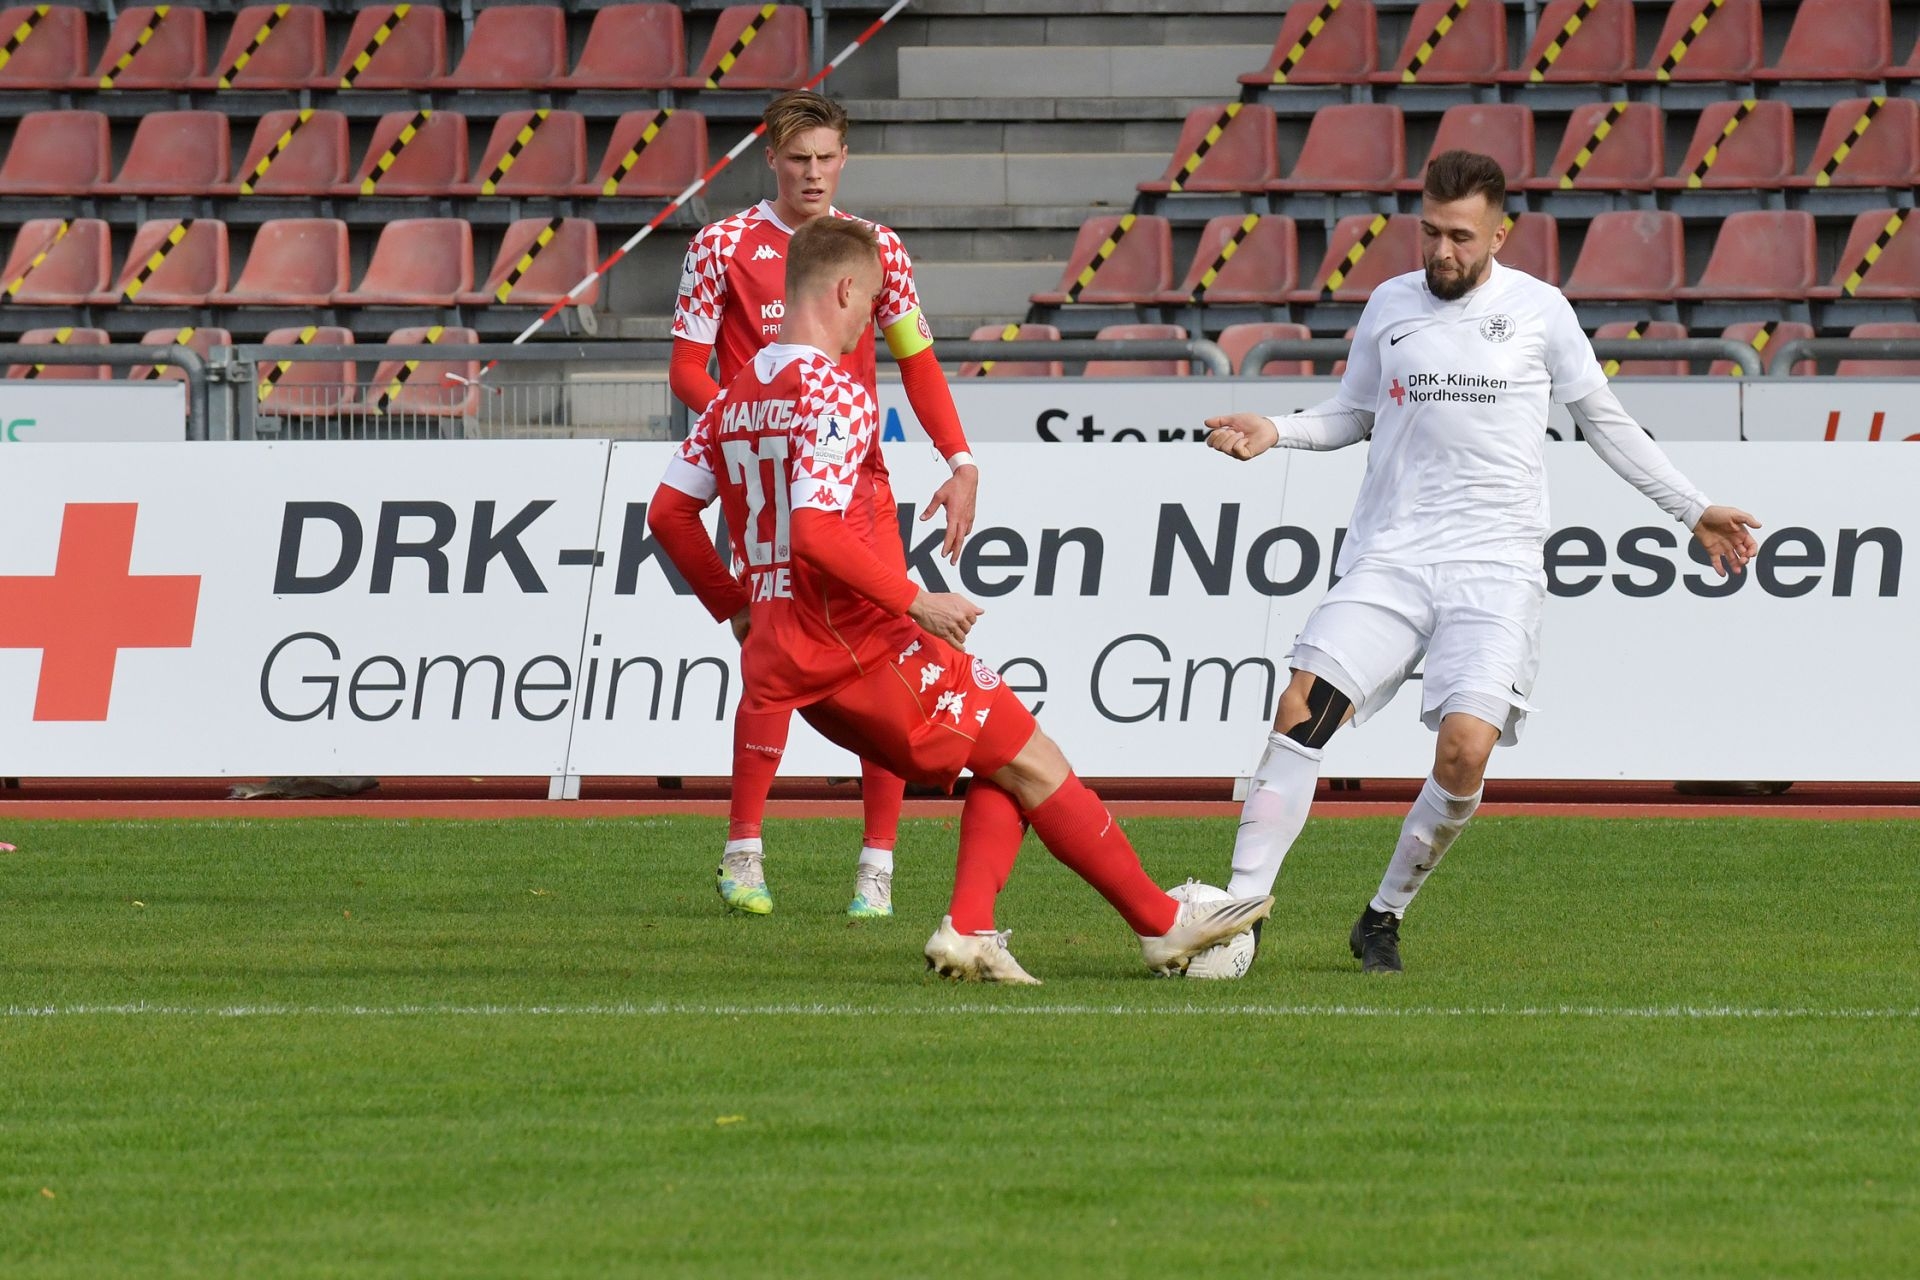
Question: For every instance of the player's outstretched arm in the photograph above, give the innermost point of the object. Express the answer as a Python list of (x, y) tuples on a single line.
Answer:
[(1723, 535), (1332, 424)]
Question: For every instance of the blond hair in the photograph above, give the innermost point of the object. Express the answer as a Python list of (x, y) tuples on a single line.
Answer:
[(828, 249), (799, 111)]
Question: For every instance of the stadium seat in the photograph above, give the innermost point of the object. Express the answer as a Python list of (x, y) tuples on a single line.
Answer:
[(1655, 329), (175, 153), (1501, 130), (1861, 368), (1630, 255), (154, 47), (1727, 46), (394, 47), (294, 262), (307, 388), (425, 391), (1885, 154), (1014, 368), (1388, 247), (172, 263), (531, 153), (752, 49), (651, 167), (1533, 246), (1263, 267), (418, 262), (630, 46), (1836, 40), (1136, 270), (1599, 50), (1910, 69), (1765, 337), (1471, 50), (540, 259), (58, 153), (1352, 147), (49, 49), (294, 153), (199, 339), (1138, 368), (63, 337), (1245, 157), (514, 46), (1238, 339), (1757, 154), (1759, 253), (1315, 47), (1881, 258), (272, 47), (57, 262), (413, 153), (1629, 154)]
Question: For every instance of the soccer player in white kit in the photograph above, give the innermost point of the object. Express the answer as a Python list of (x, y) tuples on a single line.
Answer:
[(1450, 376)]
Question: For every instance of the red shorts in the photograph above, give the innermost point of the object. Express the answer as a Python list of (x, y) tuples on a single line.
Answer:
[(927, 715)]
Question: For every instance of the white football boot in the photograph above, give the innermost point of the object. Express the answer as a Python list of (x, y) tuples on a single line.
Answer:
[(1198, 926), (872, 893), (978, 957)]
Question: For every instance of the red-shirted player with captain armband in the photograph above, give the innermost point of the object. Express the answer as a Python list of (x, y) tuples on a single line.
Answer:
[(869, 658), (732, 293)]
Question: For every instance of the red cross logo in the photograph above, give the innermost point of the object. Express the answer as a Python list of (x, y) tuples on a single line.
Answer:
[(1398, 392), (90, 609)]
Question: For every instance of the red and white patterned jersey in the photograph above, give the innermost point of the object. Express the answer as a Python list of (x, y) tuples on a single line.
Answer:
[(789, 433)]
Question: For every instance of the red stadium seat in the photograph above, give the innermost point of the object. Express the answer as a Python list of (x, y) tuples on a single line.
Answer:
[(514, 46), (1238, 339), (1353, 147), (1599, 50), (154, 47), (172, 263), (1243, 158), (540, 259), (1388, 247), (1533, 246), (1765, 337), (294, 262), (752, 49), (413, 153), (394, 47), (49, 49), (1630, 154), (1757, 154), (1501, 130), (1315, 47), (1262, 268), (307, 388), (1760, 253), (1471, 50), (648, 162), (1836, 40), (1727, 47), (1138, 368), (424, 390), (1881, 259), (1862, 368), (196, 338), (63, 337), (57, 262), (271, 49), (630, 46), (1630, 256), (1136, 270), (1014, 368), (58, 153), (1656, 329), (294, 153), (184, 153), (1910, 69), (418, 262), (532, 153), (1885, 154)]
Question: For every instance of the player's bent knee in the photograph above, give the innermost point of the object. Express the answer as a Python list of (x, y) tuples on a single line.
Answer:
[(1321, 710)]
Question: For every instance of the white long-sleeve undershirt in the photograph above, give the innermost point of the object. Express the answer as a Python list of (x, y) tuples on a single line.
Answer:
[(1330, 424)]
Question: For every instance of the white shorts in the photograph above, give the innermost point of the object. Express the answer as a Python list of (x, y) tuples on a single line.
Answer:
[(1477, 625)]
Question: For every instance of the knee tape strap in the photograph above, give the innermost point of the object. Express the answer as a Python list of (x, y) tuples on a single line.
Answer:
[(1327, 709)]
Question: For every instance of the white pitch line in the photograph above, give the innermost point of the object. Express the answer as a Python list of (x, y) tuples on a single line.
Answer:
[(1649, 1012)]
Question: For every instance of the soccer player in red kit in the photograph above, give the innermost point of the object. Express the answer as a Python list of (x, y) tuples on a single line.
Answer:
[(732, 294), (872, 660)]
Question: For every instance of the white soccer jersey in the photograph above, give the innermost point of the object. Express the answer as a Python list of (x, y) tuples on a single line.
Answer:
[(1459, 393)]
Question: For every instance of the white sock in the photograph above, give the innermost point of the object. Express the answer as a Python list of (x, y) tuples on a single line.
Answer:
[(879, 859), (1437, 817), (750, 845), (1273, 815)]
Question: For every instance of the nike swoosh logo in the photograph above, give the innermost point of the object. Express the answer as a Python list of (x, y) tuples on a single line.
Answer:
[(1394, 340), (1516, 689)]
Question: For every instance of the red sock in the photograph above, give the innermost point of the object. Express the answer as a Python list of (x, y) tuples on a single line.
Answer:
[(881, 794), (1078, 830), (991, 829), (759, 740)]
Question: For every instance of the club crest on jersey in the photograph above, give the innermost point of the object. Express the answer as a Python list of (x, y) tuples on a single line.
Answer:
[(985, 676), (1497, 328), (832, 438)]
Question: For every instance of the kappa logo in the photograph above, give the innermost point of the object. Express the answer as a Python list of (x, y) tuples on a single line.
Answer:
[(953, 702), (826, 497), (906, 653), (1497, 328), (930, 674), (766, 253)]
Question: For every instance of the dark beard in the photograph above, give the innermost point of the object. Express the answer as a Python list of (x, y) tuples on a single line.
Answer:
[(1455, 288)]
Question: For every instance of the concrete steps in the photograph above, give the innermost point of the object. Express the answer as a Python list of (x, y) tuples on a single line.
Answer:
[(985, 180), (1111, 71)]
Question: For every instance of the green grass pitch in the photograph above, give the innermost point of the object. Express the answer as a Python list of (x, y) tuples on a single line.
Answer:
[(381, 1048)]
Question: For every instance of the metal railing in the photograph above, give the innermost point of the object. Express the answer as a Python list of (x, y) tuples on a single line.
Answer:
[(186, 360), (1193, 350), (1740, 353), (1791, 353)]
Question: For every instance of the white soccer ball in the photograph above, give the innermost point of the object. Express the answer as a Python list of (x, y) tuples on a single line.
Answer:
[(1224, 960)]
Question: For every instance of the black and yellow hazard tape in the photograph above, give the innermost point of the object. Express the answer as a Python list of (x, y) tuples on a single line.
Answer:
[(1687, 37), (405, 372), (1307, 37), (154, 20), (740, 44), (1411, 72), (1840, 153), (280, 144), (280, 367), (1612, 367), (380, 37), (632, 158), (1205, 145), (1007, 334), (401, 141), (1100, 257), (534, 250), (60, 337), (131, 292), (1712, 154), (1558, 45), (179, 340), (1761, 337), (1584, 156), (1874, 250), (512, 153), (1221, 259), (13, 286), (21, 32), (260, 37), (1352, 260)]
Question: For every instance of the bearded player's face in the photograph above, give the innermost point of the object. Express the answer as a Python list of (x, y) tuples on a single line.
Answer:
[(1458, 239), (806, 170)]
